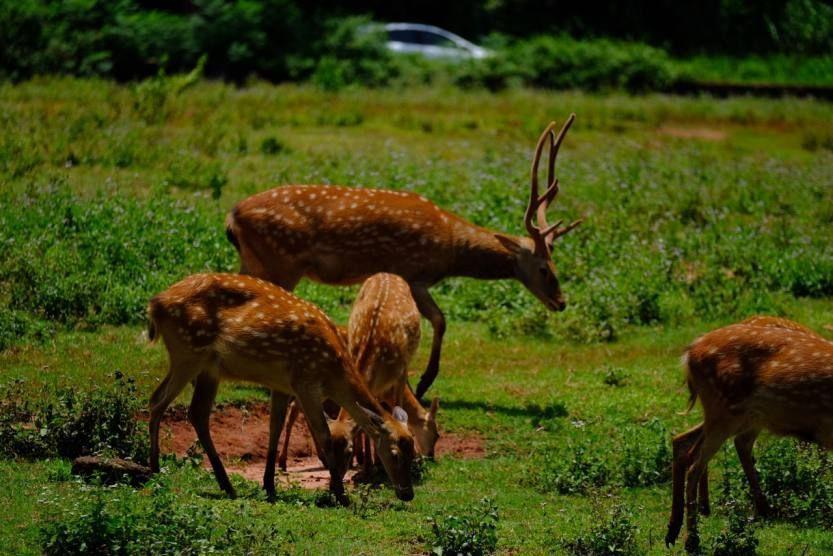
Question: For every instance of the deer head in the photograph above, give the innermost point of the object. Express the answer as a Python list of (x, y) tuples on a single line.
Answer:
[(533, 255), (395, 447)]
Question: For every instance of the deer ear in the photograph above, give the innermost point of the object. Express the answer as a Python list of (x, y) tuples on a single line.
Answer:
[(435, 405), (375, 419), (400, 415), (510, 243)]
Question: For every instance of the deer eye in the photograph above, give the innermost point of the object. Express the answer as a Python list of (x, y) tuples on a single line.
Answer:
[(544, 271)]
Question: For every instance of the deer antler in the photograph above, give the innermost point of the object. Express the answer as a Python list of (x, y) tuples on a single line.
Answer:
[(543, 233)]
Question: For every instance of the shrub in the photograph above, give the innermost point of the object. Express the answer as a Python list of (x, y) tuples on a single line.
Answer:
[(67, 423), (612, 533), (472, 532), (560, 62)]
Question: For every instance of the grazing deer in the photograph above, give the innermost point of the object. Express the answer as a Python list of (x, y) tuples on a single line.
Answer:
[(340, 235), (764, 373), (383, 334), (235, 327)]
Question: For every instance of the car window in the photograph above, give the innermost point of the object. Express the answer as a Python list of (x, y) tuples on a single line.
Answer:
[(433, 39), (401, 35)]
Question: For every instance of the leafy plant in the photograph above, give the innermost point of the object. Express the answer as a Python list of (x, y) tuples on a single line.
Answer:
[(471, 532)]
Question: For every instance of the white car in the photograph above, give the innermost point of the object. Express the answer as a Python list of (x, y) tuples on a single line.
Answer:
[(431, 42)]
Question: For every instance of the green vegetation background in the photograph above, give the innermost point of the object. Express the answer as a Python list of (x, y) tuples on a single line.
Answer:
[(699, 212), (637, 45)]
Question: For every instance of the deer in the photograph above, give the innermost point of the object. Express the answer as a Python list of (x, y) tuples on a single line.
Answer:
[(235, 327), (765, 373), (383, 333), (341, 235)]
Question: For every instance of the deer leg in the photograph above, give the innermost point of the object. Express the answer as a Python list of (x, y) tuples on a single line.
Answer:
[(290, 423), (312, 408), (277, 416), (205, 390), (743, 444), (682, 445), (704, 452), (165, 393), (703, 495), (428, 308)]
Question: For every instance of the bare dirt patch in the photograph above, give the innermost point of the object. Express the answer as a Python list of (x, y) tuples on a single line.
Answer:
[(241, 436), (705, 133)]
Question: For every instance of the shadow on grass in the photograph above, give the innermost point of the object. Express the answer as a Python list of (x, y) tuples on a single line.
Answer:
[(530, 410)]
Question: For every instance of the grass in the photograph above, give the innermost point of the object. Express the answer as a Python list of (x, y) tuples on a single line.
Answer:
[(700, 212)]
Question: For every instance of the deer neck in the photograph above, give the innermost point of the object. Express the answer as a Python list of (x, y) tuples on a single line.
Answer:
[(479, 254)]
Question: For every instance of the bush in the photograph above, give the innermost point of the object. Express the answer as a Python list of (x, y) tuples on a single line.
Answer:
[(67, 423), (612, 533), (560, 62), (472, 532)]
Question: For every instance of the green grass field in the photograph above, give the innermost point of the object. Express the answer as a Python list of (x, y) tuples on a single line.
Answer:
[(699, 212)]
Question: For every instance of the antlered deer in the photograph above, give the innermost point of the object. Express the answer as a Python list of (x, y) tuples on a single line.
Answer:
[(340, 235), (236, 327), (764, 373), (383, 334)]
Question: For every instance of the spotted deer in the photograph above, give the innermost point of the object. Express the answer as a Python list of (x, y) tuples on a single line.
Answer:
[(383, 334), (342, 235), (764, 373), (235, 327)]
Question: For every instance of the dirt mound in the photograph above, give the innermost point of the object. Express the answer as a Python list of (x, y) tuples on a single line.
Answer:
[(241, 436)]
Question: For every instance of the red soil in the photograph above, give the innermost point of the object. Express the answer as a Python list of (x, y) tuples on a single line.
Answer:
[(241, 436)]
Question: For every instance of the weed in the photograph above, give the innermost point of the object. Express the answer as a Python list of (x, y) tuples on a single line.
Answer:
[(575, 471), (614, 376), (471, 531), (612, 533), (646, 459), (738, 537)]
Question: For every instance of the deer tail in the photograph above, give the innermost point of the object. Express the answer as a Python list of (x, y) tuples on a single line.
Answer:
[(692, 390)]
